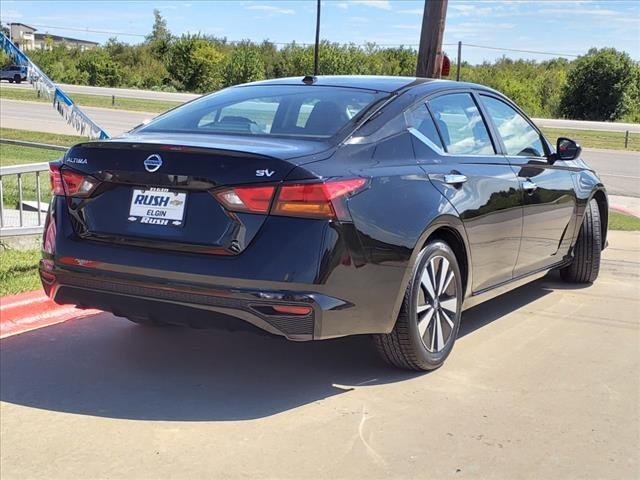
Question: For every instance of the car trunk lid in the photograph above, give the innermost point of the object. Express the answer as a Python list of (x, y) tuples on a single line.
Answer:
[(159, 194)]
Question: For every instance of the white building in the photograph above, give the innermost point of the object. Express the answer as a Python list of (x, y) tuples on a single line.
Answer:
[(26, 38)]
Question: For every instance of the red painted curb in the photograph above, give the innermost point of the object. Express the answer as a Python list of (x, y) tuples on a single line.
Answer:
[(30, 310), (624, 210)]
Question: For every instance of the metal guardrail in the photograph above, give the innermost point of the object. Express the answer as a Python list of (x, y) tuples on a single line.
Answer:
[(22, 143), (23, 220)]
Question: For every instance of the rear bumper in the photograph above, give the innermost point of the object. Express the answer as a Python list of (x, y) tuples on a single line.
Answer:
[(293, 262), (197, 306)]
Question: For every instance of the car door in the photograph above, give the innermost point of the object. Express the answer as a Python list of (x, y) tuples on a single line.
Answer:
[(453, 145), (548, 195)]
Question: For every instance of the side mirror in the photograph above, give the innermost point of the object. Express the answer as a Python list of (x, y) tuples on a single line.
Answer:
[(567, 149)]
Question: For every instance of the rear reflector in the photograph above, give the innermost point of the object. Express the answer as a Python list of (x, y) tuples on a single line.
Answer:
[(317, 200), (246, 199), (66, 182), (291, 309)]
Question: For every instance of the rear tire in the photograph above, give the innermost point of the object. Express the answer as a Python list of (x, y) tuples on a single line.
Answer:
[(588, 249), (429, 318), (11, 80)]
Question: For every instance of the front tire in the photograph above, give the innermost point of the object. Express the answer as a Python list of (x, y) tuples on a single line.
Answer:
[(17, 78), (429, 318), (588, 249)]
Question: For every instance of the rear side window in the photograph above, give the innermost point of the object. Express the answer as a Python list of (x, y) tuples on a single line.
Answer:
[(420, 119), (460, 124), (518, 136), (284, 110)]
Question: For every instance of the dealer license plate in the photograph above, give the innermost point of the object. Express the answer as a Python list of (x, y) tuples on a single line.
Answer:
[(157, 206)]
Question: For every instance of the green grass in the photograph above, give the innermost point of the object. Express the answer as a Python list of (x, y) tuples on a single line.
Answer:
[(13, 155), (16, 155), (595, 139), (19, 271), (620, 221), (104, 101), (40, 137)]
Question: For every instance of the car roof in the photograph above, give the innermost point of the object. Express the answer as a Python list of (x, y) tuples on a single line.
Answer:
[(370, 82)]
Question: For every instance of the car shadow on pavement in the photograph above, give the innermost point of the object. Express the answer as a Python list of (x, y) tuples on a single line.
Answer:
[(106, 366)]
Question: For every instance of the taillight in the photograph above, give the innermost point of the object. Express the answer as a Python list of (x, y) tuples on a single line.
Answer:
[(49, 237), (246, 199), (312, 199), (316, 200), (69, 183)]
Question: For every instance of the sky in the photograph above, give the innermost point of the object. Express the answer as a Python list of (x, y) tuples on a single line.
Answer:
[(554, 26)]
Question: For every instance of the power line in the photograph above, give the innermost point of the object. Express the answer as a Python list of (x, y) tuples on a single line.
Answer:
[(505, 49), (487, 47), (73, 29)]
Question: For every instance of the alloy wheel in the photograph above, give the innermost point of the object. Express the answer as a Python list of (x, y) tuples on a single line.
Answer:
[(437, 304)]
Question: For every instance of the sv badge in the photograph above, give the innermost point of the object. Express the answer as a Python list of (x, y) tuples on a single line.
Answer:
[(264, 173)]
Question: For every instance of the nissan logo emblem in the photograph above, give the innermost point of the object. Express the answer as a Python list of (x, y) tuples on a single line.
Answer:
[(153, 162)]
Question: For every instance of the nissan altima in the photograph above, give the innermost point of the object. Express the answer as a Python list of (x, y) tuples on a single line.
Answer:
[(320, 207)]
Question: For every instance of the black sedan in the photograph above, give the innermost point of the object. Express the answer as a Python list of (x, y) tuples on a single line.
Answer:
[(322, 207)]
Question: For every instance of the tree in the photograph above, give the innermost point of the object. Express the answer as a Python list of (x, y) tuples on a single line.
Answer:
[(632, 97), (160, 36), (597, 85), (195, 64), (243, 64), (99, 69)]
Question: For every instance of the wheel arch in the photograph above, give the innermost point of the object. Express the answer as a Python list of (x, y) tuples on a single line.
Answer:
[(450, 229), (601, 199), (452, 237)]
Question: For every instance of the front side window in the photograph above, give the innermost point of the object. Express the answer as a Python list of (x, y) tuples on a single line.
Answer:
[(460, 124), (518, 136), (283, 110)]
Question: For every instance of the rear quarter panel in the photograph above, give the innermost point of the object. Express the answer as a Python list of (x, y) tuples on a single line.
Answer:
[(392, 220)]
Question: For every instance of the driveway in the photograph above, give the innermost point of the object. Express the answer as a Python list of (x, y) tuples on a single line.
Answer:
[(543, 383)]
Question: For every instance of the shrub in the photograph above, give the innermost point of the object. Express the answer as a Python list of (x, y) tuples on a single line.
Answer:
[(597, 86)]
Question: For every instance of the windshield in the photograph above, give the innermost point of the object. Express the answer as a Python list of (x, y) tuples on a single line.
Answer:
[(271, 110)]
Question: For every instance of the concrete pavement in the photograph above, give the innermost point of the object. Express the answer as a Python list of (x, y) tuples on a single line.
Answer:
[(544, 382)]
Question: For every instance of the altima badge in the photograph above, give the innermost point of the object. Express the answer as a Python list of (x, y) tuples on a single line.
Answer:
[(153, 162)]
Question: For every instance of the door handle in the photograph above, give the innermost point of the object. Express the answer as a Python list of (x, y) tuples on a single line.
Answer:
[(528, 186), (454, 178), (449, 178)]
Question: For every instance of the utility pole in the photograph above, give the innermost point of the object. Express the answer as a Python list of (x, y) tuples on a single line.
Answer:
[(430, 51), (317, 46), (459, 61)]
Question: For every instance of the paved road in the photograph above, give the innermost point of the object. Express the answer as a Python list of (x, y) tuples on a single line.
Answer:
[(118, 92), (620, 170), (43, 118), (183, 97), (585, 125), (543, 383)]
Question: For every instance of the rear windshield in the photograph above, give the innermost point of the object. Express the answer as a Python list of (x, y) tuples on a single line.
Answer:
[(271, 110)]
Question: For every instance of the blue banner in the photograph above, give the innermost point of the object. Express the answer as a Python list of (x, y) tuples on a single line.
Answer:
[(61, 101)]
